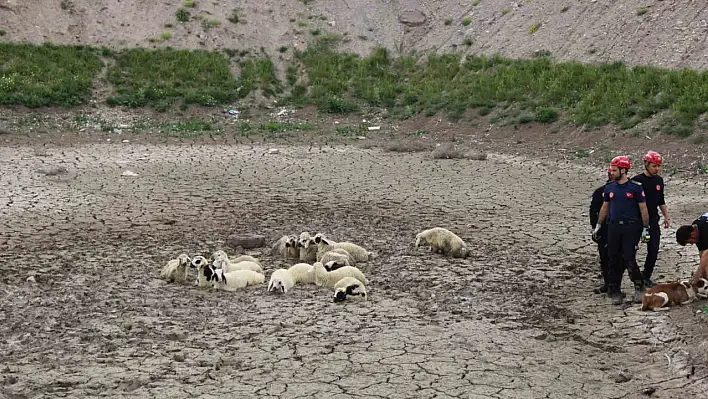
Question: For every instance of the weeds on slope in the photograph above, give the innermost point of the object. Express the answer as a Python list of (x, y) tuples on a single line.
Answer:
[(39, 75)]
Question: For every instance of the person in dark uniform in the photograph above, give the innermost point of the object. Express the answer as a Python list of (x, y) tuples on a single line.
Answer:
[(625, 210), (601, 237), (696, 233), (653, 186)]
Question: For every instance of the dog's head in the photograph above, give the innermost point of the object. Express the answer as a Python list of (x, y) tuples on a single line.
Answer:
[(701, 288)]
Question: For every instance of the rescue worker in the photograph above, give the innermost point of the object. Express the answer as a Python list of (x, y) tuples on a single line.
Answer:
[(696, 233), (601, 237), (626, 225), (653, 186)]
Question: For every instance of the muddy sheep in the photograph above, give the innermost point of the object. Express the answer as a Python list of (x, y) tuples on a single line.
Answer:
[(202, 264), (308, 247), (323, 278), (236, 279), (349, 286), (358, 253), (287, 247), (443, 241), (337, 257), (176, 269), (301, 273), (281, 280), (221, 260)]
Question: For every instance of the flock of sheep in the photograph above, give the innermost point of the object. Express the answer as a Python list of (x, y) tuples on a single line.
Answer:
[(333, 264)]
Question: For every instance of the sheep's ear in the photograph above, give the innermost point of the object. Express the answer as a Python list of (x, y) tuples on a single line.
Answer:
[(287, 244), (282, 289), (351, 288), (324, 241), (317, 239)]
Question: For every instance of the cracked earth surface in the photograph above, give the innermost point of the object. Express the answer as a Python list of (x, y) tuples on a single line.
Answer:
[(515, 320)]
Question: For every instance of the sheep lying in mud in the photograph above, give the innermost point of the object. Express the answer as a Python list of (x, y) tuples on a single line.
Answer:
[(323, 278), (307, 247), (281, 280), (221, 260), (300, 273), (176, 269), (349, 286), (358, 253), (287, 247), (203, 269), (236, 279), (442, 241), (339, 258)]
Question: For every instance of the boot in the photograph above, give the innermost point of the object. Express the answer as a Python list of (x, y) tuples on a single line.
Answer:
[(615, 294), (638, 291), (600, 289)]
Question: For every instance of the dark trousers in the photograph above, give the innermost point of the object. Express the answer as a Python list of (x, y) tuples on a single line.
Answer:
[(622, 243), (652, 248), (604, 250)]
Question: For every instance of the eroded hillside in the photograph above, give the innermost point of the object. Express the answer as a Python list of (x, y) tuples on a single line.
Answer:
[(661, 33)]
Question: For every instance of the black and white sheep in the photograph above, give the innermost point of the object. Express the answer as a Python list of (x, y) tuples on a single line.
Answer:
[(443, 241), (176, 269), (323, 278), (204, 271), (308, 247), (281, 280), (347, 287), (358, 253), (287, 247), (236, 279)]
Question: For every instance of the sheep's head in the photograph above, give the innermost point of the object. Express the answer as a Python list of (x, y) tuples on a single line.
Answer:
[(340, 294), (219, 256), (306, 242), (317, 266), (199, 262), (463, 252), (334, 265), (420, 240), (183, 259), (319, 237), (356, 289), (291, 242)]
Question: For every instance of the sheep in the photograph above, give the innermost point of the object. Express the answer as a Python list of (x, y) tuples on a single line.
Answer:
[(282, 280), (300, 273), (442, 241), (308, 247), (348, 286), (339, 259), (244, 258), (202, 264), (176, 269), (358, 253), (236, 279), (323, 278), (244, 262), (287, 247)]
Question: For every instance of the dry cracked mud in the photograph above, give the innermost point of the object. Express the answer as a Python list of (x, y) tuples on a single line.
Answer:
[(515, 320)]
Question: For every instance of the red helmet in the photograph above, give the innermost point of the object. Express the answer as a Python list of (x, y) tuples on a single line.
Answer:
[(653, 157), (621, 162)]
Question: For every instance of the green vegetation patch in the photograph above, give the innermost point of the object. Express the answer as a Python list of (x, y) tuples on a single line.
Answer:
[(159, 77), (43, 75)]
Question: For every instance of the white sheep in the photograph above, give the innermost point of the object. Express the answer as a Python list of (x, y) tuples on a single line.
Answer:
[(358, 253), (244, 258), (442, 241), (236, 279), (323, 278), (339, 259), (348, 286), (176, 269), (301, 273), (287, 247), (308, 247), (281, 280), (221, 260)]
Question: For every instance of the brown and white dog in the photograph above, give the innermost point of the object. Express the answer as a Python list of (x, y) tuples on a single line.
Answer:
[(663, 296)]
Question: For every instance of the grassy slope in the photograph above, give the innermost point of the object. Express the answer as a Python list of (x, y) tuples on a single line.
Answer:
[(535, 89)]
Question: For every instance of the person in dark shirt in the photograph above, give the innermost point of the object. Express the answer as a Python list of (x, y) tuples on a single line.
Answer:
[(696, 233), (653, 186), (601, 237), (624, 208)]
